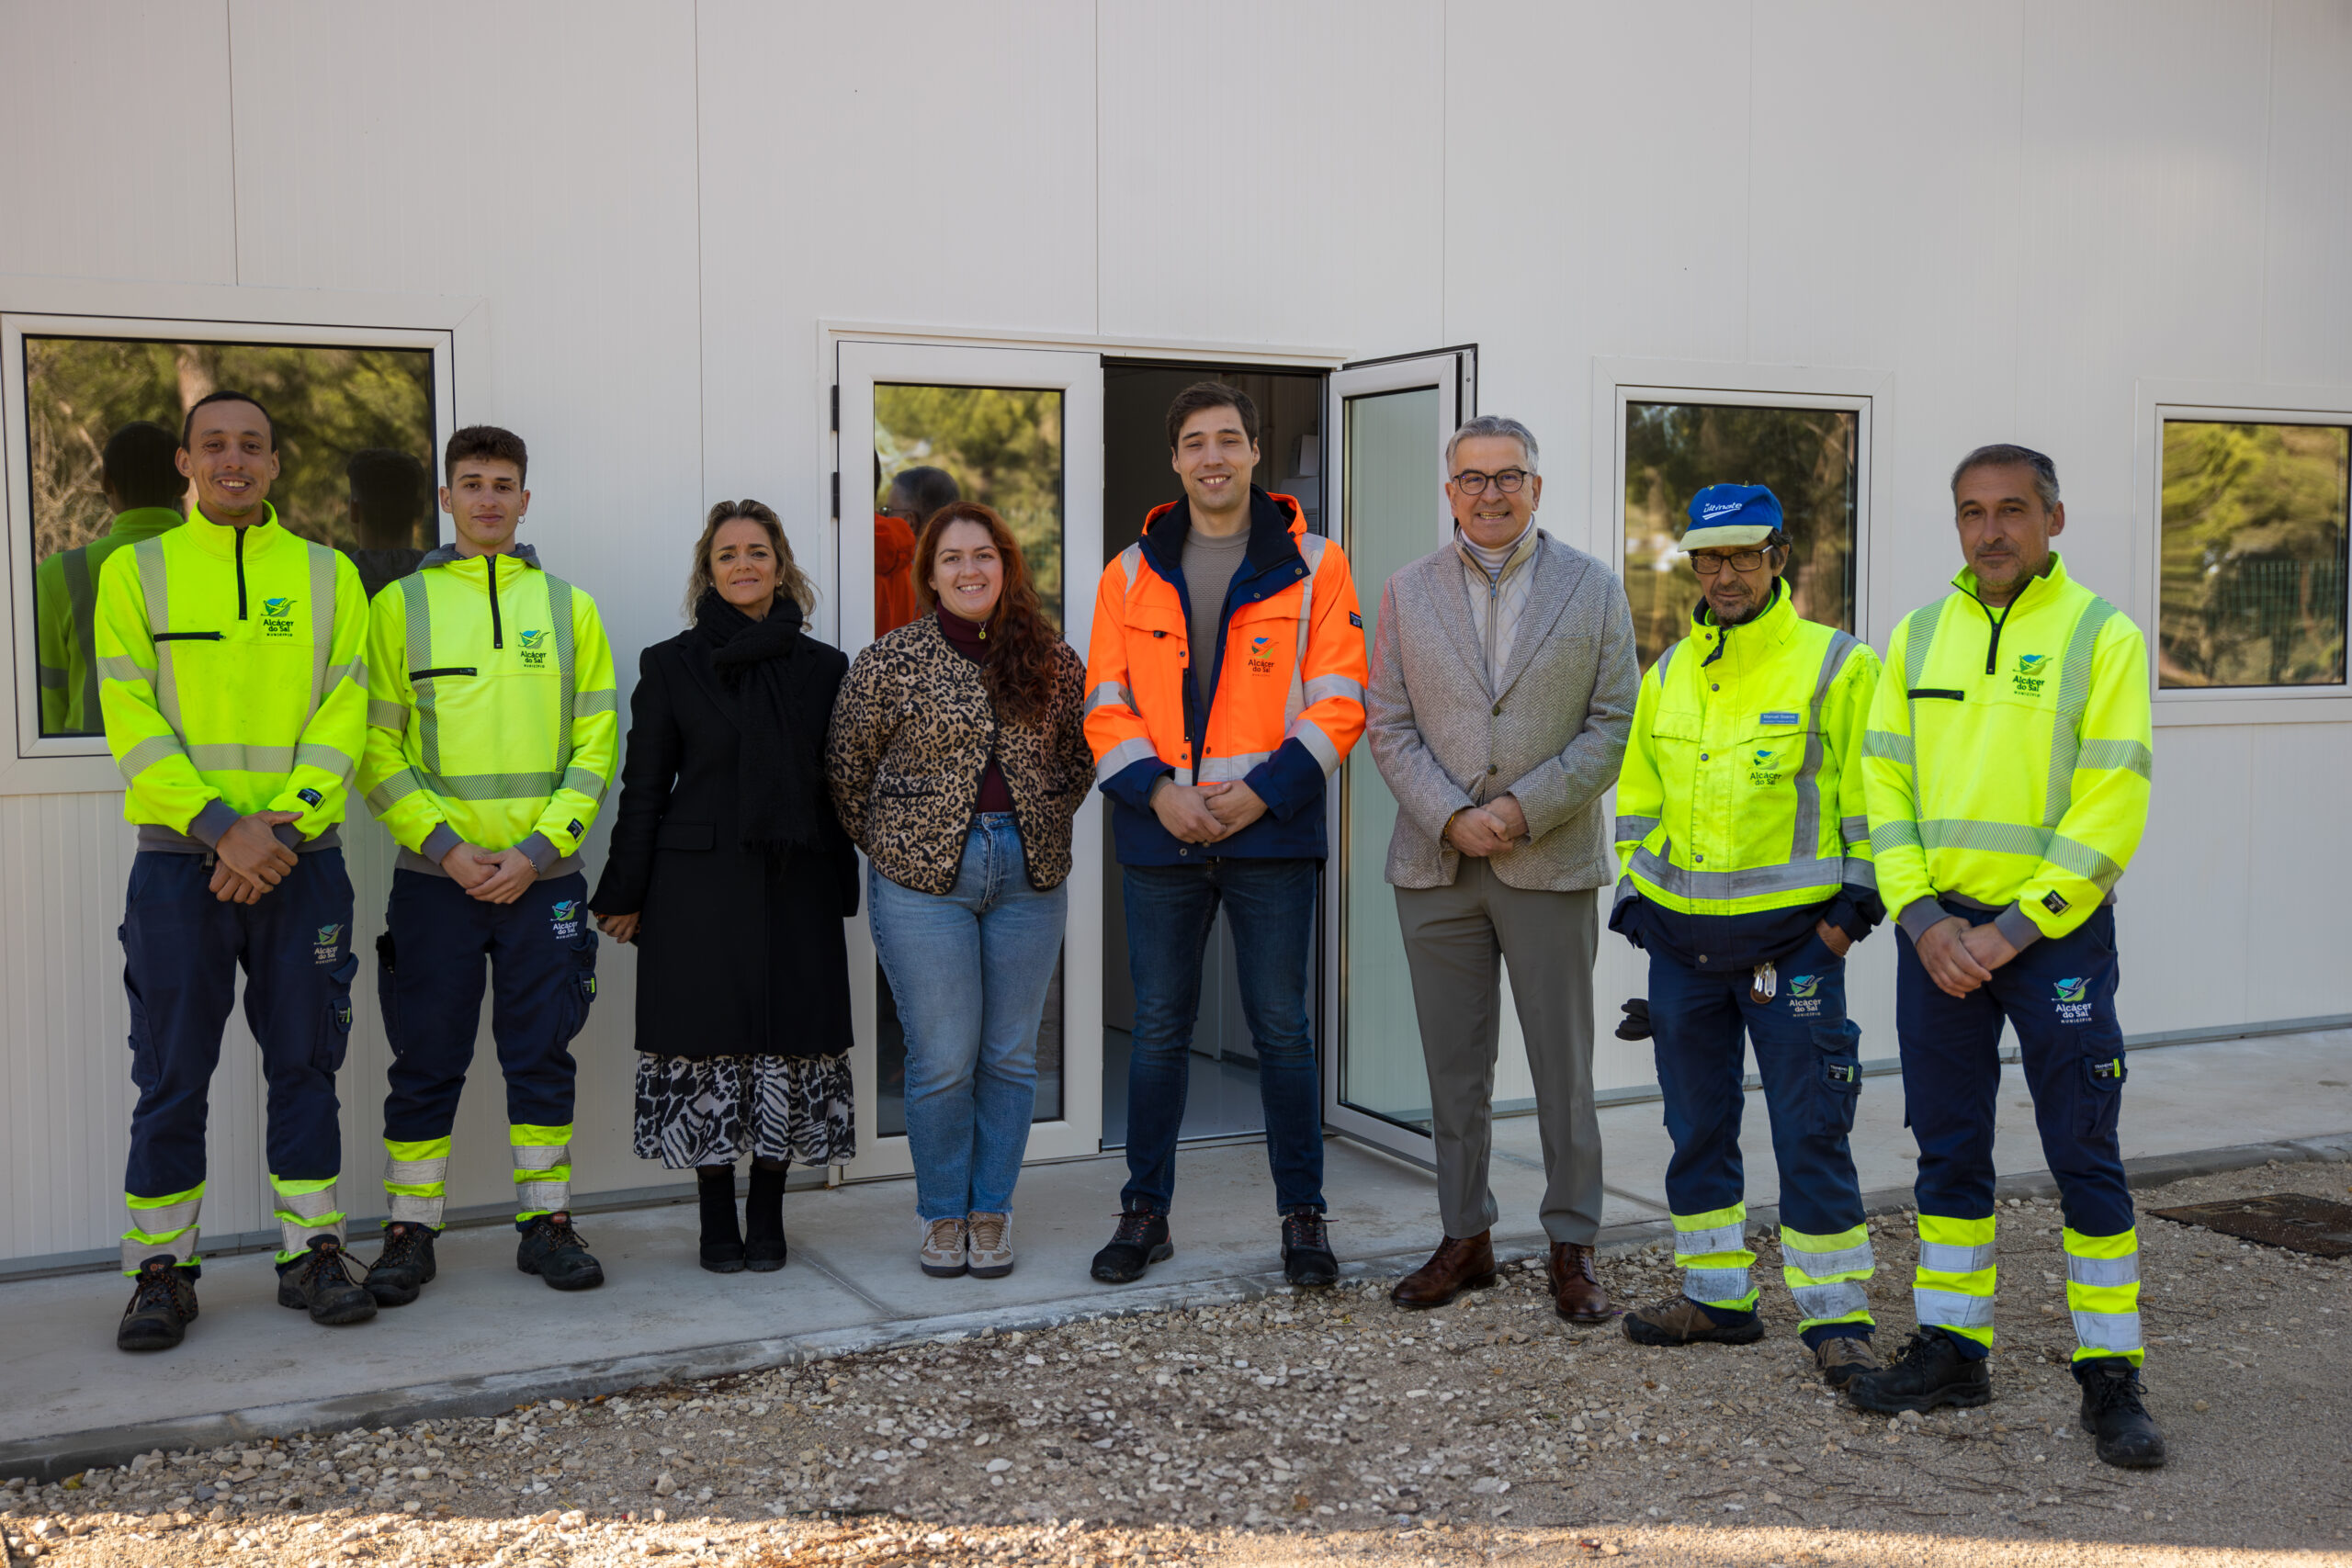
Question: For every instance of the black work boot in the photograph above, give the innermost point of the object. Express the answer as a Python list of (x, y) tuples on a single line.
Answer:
[(319, 1283), (722, 1236), (556, 1253), (1140, 1241), (2112, 1413), (163, 1303), (1308, 1262), (1930, 1371), (405, 1267)]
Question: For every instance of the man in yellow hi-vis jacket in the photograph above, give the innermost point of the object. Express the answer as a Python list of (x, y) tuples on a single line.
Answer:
[(492, 735), (2008, 766), (231, 658), (1746, 863)]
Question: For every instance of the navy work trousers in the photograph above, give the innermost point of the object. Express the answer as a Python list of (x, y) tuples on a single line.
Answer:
[(540, 957), (1807, 1054), (2059, 995), (182, 947)]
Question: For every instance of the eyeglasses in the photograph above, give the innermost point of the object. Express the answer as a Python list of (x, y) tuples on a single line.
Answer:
[(1510, 481), (1740, 561)]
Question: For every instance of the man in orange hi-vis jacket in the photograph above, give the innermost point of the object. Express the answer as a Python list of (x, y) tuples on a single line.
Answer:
[(1225, 683)]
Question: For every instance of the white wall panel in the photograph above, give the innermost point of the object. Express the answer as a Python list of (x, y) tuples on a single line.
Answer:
[(1274, 174), (2181, 916), (115, 117), (935, 169), (2307, 322)]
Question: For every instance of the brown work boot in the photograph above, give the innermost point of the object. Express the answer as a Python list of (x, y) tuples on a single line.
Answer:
[(1683, 1321), (1576, 1294), (1456, 1266), (1844, 1358)]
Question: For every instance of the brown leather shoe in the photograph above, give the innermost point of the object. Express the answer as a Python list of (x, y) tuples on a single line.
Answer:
[(1455, 1267), (1576, 1294), (1843, 1359)]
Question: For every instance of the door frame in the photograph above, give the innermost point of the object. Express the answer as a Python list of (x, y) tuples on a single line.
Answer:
[(1454, 372)]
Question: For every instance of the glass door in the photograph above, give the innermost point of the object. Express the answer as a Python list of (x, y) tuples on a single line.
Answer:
[(1388, 422), (1021, 431)]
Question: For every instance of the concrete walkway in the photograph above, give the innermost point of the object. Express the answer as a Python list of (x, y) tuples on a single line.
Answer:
[(485, 1338)]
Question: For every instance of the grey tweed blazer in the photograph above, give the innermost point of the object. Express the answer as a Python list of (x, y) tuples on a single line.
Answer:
[(1553, 736)]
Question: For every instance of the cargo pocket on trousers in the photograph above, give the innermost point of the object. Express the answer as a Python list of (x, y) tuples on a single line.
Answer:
[(334, 1029), (143, 1076), (386, 991), (583, 983), (2103, 1095), (1839, 1077)]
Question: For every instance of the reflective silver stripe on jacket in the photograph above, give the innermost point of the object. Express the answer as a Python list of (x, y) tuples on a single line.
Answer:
[(1123, 756), (322, 564), (1225, 769), (1804, 841), (418, 606), (1796, 876), (2073, 700), (1110, 693), (154, 581), (1313, 549), (1632, 829)]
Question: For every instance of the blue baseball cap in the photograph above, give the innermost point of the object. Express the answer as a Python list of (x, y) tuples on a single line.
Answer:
[(1728, 517)]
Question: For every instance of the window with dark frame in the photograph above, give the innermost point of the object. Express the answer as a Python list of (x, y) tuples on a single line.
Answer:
[(2254, 541), (1809, 457), (355, 428)]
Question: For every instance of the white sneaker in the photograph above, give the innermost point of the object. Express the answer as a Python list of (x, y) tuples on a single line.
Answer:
[(990, 1246), (943, 1247)]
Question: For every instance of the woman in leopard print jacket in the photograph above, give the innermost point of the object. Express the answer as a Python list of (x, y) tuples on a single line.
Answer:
[(958, 760)]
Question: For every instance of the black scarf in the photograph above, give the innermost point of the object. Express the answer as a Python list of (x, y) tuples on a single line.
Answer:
[(777, 783)]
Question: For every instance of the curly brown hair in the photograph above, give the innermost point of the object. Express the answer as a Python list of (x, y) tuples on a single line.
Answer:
[(1020, 672), (791, 582)]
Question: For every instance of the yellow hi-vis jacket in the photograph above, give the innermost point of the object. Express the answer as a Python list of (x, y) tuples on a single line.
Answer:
[(233, 676), (2008, 756), (492, 718), (65, 615), (1739, 805)]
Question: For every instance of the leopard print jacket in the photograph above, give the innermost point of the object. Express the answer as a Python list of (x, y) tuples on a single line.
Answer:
[(912, 732)]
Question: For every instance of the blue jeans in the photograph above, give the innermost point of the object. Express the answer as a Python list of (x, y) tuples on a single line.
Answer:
[(1171, 910), (969, 969)]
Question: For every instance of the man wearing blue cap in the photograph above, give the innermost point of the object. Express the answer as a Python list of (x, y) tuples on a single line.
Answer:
[(1745, 853)]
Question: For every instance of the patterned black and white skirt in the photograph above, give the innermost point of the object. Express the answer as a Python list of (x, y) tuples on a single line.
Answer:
[(716, 1109)]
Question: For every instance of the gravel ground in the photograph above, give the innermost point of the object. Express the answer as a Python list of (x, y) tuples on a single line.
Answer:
[(1334, 1427)]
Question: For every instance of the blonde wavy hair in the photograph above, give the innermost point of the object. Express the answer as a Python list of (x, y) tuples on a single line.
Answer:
[(791, 582)]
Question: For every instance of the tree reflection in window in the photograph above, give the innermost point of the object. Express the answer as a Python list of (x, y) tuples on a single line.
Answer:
[(1808, 457), (330, 404), (2254, 554)]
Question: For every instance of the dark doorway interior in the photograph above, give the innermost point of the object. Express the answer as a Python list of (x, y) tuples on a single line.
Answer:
[(1222, 1098)]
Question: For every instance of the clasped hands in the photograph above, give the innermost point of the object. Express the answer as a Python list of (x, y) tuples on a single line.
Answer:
[(1489, 829), (494, 877), (1203, 814), (1960, 957)]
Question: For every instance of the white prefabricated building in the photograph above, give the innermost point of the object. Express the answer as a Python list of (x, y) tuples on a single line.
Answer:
[(703, 249)]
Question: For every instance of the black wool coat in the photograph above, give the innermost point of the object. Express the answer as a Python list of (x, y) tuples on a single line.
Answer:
[(738, 953)]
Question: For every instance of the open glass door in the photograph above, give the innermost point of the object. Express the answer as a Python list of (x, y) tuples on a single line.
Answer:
[(1388, 422), (1020, 430)]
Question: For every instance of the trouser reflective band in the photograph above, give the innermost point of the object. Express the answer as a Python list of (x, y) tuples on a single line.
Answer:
[(1952, 1287), (159, 1225), (416, 1179), (1711, 1251), (1826, 1275), (305, 1209), (542, 1169), (2103, 1294)]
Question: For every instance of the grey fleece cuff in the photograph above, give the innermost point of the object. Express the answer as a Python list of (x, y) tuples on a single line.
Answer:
[(1923, 915), (440, 842), (289, 835), (2016, 927), (542, 853), (217, 818)]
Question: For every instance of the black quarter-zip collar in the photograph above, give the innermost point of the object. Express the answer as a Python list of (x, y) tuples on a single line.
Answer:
[(527, 560), (240, 573), (497, 630)]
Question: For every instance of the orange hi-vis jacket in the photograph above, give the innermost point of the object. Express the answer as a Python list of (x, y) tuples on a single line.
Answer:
[(1284, 710)]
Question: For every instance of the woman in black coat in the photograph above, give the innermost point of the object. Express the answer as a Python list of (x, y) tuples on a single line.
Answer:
[(732, 874)]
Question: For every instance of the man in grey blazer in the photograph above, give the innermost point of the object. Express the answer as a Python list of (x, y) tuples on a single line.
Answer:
[(1503, 680)]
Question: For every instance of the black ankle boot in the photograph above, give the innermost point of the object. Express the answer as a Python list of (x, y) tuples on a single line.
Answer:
[(764, 1221), (722, 1240)]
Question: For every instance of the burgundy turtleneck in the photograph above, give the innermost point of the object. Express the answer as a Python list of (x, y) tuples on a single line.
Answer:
[(967, 639)]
